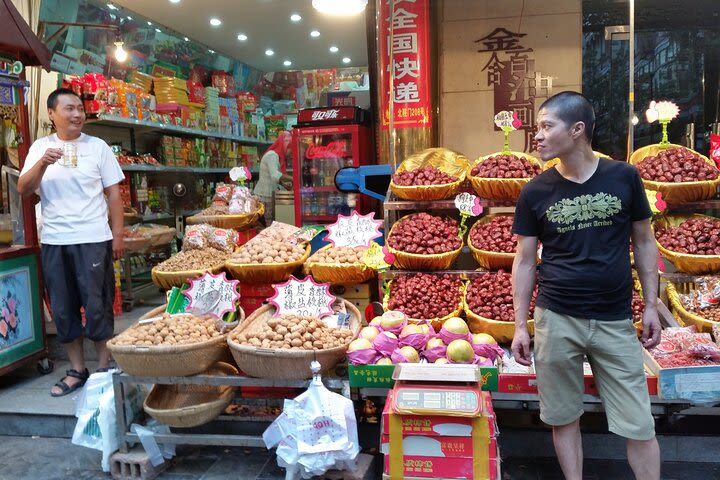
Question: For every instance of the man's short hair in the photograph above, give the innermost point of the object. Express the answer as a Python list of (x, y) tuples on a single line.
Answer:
[(573, 107), (52, 99)]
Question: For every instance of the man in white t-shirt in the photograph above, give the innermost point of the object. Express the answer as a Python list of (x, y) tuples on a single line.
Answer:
[(77, 244)]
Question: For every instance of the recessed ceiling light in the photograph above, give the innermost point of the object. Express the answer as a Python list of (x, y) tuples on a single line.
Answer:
[(211, 50), (287, 63), (333, 7), (187, 39), (158, 30), (295, 17), (242, 37), (334, 49), (149, 22), (111, 6), (174, 1), (215, 22), (314, 34), (269, 52), (346, 60), (129, 18)]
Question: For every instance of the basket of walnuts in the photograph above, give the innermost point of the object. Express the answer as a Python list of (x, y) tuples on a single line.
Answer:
[(339, 265)]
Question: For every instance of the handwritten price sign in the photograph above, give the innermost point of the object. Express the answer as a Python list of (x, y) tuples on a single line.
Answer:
[(375, 257), (507, 120), (354, 230), (663, 111), (468, 204), (303, 297), (212, 294)]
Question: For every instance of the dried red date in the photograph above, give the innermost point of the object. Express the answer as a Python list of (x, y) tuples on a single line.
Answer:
[(638, 305), (490, 296), (494, 236), (506, 166), (428, 175), (696, 236), (425, 295), (423, 233), (676, 165)]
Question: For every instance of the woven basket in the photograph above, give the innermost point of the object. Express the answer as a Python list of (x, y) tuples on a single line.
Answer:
[(168, 360), (685, 262), (684, 316), (551, 163), (485, 258), (337, 273), (286, 364), (499, 188), (185, 406), (437, 322), (161, 237), (676, 193), (137, 244), (167, 280), (502, 332), (265, 272), (229, 221), (417, 261), (445, 160)]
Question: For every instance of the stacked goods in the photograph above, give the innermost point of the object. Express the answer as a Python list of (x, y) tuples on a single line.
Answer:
[(423, 241), (233, 206), (433, 174), (681, 175), (140, 79), (170, 90), (199, 237), (339, 265), (501, 176), (684, 347), (492, 242), (432, 298), (489, 305), (690, 242)]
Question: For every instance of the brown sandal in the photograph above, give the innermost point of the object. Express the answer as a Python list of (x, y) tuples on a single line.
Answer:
[(65, 388)]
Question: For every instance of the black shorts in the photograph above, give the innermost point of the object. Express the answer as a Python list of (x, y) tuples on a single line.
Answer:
[(80, 275)]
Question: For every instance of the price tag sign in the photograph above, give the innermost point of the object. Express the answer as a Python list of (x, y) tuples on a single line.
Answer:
[(507, 120), (354, 230), (212, 294), (657, 204), (468, 204), (376, 258), (240, 175), (662, 111), (302, 297)]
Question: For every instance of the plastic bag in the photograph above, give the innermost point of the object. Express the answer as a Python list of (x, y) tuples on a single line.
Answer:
[(196, 237), (317, 431)]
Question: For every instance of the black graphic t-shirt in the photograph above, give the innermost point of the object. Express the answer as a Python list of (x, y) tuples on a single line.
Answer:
[(585, 233)]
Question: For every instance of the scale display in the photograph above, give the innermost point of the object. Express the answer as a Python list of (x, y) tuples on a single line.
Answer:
[(437, 400)]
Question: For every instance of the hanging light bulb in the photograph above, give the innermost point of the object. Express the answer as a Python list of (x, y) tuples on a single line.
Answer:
[(120, 54)]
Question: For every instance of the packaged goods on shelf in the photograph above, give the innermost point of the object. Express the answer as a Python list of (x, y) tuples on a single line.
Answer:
[(246, 101), (224, 83), (141, 79)]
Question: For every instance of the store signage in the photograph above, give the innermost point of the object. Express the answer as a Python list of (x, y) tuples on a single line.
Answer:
[(305, 298), (663, 111), (212, 294), (404, 29), (335, 149), (354, 230), (327, 115), (468, 204), (10, 68), (507, 120)]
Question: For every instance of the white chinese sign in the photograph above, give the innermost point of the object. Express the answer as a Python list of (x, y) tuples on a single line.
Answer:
[(212, 294), (354, 230), (305, 298)]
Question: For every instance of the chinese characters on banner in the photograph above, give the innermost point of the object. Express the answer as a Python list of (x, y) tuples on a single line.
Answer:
[(405, 78), (511, 70)]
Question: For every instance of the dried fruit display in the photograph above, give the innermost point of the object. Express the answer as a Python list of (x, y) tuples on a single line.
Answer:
[(341, 255), (506, 166), (676, 165), (490, 296), (638, 306), (696, 236), (427, 175), (269, 248), (494, 236), (424, 233), (425, 296)]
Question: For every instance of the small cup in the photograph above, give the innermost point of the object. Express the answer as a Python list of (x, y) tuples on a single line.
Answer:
[(69, 158)]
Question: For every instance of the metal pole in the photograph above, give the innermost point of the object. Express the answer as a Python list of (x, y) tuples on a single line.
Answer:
[(631, 83)]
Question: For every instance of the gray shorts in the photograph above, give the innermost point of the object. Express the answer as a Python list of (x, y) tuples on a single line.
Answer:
[(75, 276)]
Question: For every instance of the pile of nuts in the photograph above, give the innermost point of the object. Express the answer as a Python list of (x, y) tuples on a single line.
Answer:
[(293, 332), (506, 166), (270, 248), (176, 329), (196, 259), (214, 209), (490, 296), (494, 236), (424, 295), (338, 255), (428, 175), (696, 236), (425, 234), (676, 165)]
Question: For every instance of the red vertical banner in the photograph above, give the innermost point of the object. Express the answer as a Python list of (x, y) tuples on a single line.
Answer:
[(404, 49)]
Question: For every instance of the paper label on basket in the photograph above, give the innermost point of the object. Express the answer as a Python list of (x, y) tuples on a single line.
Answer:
[(657, 204), (212, 294), (468, 204), (507, 120), (354, 230), (663, 111), (375, 257), (305, 298)]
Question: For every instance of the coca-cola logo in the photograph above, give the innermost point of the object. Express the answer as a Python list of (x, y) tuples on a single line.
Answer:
[(325, 114), (334, 149)]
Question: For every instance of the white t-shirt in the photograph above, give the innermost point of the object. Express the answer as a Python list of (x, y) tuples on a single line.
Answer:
[(74, 208), (269, 176)]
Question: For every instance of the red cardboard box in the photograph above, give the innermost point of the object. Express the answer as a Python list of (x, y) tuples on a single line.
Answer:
[(250, 304), (527, 383), (264, 290), (443, 467)]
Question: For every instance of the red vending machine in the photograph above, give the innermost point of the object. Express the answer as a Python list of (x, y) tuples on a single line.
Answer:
[(325, 140)]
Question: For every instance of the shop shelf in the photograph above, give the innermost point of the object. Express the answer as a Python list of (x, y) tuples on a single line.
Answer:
[(117, 121), (165, 168)]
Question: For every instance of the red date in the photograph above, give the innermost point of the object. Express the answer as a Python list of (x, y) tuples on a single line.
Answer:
[(696, 236), (428, 175), (423, 233), (506, 166), (425, 295), (490, 296), (676, 165), (494, 236)]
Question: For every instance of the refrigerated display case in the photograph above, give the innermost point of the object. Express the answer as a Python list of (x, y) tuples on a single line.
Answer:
[(324, 141)]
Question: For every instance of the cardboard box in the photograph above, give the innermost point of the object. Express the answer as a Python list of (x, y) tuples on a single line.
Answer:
[(527, 383), (250, 304), (378, 376), (697, 384), (265, 290), (434, 446), (444, 467)]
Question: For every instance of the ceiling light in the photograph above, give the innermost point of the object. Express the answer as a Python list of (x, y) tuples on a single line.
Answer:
[(215, 22), (334, 49), (269, 52), (174, 1), (111, 6), (314, 34), (120, 54), (129, 18), (335, 7), (295, 17), (158, 30), (211, 50), (149, 22), (346, 60), (242, 37), (287, 63), (187, 39)]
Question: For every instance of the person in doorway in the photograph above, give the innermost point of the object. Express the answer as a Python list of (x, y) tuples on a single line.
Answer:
[(271, 176), (585, 210), (77, 244)]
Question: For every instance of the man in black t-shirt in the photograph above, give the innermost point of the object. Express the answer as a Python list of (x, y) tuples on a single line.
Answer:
[(584, 212)]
